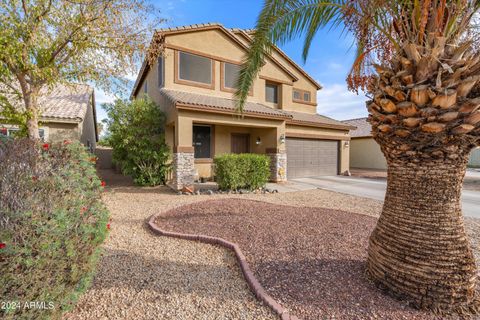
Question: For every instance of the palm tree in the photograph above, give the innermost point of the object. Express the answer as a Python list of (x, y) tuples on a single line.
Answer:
[(419, 64)]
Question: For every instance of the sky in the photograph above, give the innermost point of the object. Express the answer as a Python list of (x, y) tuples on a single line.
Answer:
[(329, 61)]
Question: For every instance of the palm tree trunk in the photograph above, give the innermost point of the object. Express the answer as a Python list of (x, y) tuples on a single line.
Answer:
[(419, 250)]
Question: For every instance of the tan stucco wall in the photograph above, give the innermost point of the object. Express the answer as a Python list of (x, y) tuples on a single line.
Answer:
[(62, 131), (365, 153), (217, 44), (475, 158), (87, 129)]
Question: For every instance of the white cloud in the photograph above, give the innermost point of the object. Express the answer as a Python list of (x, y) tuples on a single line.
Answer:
[(335, 101)]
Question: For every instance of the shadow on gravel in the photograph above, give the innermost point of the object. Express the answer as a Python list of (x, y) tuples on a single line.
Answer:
[(311, 260)]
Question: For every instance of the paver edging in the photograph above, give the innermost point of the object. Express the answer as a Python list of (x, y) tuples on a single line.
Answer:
[(253, 282)]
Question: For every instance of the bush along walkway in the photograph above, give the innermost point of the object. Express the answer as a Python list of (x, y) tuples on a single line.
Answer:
[(144, 276)]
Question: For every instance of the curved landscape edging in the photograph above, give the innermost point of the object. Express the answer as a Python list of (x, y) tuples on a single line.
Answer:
[(253, 282)]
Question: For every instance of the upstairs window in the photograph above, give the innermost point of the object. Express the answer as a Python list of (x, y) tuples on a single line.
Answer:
[(195, 69), (271, 92), (202, 142), (301, 95), (160, 71), (231, 72)]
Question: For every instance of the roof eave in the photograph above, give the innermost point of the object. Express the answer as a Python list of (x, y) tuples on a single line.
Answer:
[(198, 107), (320, 125)]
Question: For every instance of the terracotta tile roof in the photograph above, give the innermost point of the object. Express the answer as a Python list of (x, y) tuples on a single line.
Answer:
[(317, 120), (216, 103), (363, 127), (65, 102), (189, 27)]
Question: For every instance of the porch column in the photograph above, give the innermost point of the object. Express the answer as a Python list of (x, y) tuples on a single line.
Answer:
[(183, 164), (278, 164), (183, 170), (278, 156)]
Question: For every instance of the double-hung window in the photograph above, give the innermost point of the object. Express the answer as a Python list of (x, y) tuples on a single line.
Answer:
[(301, 96), (271, 92)]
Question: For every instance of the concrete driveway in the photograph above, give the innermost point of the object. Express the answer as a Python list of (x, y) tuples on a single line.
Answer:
[(368, 188)]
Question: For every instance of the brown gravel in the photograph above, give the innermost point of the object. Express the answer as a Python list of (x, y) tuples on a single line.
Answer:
[(311, 260)]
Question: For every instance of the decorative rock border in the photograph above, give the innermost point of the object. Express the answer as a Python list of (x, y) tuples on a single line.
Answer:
[(253, 283)]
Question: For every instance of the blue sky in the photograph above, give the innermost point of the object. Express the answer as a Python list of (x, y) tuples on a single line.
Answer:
[(329, 61)]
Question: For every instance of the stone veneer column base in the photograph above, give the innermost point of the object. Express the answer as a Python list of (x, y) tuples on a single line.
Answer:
[(278, 167), (183, 170)]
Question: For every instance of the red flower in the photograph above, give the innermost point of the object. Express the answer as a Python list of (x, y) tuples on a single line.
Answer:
[(67, 141), (45, 146), (94, 159), (108, 226), (34, 178), (103, 184), (83, 210), (2, 245)]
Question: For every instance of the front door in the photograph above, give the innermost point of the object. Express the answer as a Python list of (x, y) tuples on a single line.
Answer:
[(240, 143)]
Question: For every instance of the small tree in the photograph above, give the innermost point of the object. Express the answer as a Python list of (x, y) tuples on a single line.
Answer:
[(138, 140), (49, 41)]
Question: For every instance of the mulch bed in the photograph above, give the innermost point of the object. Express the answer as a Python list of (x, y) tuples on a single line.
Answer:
[(311, 260)]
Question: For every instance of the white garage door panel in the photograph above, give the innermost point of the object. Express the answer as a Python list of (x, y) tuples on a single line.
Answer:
[(310, 158)]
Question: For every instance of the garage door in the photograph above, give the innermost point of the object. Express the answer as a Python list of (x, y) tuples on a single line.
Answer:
[(310, 158)]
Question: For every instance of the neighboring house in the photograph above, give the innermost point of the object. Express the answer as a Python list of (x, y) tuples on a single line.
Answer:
[(193, 82), (67, 112), (365, 153), (474, 160)]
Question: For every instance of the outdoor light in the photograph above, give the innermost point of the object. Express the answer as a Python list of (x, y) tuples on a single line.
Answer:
[(258, 141), (347, 144), (282, 139)]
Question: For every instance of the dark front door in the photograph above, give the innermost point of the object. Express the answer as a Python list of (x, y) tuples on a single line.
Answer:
[(240, 143)]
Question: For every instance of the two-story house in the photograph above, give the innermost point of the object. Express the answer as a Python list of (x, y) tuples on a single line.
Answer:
[(193, 81)]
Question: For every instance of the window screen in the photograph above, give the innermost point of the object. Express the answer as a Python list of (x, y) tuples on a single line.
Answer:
[(306, 96), (231, 72), (271, 92), (296, 95), (160, 72), (201, 141), (195, 68)]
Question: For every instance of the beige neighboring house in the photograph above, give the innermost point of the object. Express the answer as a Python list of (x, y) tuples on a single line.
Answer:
[(193, 82), (365, 153), (67, 112)]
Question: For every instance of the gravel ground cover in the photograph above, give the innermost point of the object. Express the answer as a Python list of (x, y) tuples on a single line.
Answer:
[(144, 276), (310, 259)]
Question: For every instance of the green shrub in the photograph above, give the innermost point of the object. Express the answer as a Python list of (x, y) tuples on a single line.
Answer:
[(238, 171), (138, 140), (52, 222)]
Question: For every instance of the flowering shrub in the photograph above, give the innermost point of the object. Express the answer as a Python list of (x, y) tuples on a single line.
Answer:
[(52, 222)]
